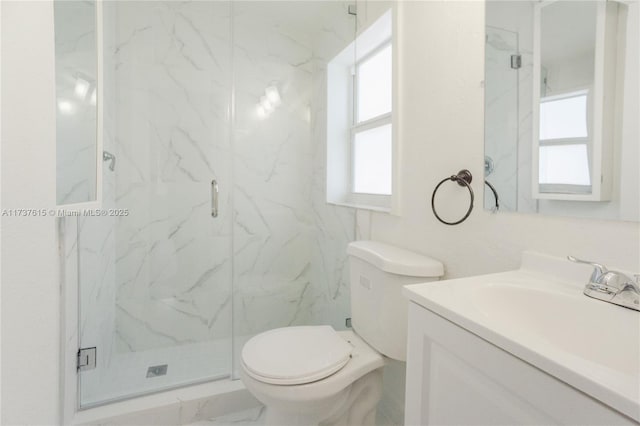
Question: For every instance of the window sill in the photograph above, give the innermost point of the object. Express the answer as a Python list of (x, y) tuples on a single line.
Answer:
[(360, 206)]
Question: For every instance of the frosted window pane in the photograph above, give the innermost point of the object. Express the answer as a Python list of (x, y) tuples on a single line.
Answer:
[(374, 85), (564, 164), (372, 161), (564, 118)]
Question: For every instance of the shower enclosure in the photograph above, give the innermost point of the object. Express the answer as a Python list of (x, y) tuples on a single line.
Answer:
[(195, 92)]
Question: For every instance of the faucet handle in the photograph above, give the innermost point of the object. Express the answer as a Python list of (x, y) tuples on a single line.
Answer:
[(598, 270)]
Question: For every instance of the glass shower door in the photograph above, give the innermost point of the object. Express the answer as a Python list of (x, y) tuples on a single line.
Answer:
[(156, 278)]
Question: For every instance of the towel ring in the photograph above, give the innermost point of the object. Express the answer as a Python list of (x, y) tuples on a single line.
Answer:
[(463, 178)]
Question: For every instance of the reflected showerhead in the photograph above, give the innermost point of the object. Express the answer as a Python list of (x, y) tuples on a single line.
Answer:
[(107, 156)]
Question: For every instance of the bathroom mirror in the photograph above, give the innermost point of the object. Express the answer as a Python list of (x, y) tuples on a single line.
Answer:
[(78, 152), (561, 108)]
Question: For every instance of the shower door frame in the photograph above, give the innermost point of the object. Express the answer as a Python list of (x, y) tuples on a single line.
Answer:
[(69, 378), (166, 402)]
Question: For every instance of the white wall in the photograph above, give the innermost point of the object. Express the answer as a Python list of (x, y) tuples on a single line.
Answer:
[(440, 137), (30, 290)]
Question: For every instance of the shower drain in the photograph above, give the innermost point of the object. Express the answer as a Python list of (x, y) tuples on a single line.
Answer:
[(157, 370)]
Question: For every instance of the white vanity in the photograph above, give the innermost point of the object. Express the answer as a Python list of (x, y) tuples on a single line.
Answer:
[(521, 347)]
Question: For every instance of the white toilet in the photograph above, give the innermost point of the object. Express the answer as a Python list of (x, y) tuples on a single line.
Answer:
[(314, 375)]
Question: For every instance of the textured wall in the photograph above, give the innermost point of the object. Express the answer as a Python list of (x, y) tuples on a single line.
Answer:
[(30, 288)]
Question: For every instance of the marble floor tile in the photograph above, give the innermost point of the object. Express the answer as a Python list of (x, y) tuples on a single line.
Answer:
[(250, 417)]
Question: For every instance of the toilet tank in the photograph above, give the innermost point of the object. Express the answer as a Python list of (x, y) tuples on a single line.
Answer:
[(378, 309)]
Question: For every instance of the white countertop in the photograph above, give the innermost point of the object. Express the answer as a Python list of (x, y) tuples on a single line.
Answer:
[(539, 314)]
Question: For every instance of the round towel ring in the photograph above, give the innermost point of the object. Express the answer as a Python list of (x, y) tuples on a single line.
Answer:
[(463, 178)]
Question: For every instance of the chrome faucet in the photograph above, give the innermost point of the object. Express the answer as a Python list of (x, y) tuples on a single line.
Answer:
[(612, 286)]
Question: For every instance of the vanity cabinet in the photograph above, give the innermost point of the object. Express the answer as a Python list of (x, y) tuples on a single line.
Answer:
[(455, 377)]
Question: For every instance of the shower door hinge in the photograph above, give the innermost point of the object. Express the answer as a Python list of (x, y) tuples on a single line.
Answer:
[(516, 61), (86, 359)]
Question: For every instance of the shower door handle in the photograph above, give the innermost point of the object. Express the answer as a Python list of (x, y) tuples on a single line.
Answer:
[(214, 198)]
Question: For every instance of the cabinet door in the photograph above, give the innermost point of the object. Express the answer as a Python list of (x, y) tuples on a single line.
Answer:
[(456, 378)]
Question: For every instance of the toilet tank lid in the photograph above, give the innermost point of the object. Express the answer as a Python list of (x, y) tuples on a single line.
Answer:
[(396, 260)]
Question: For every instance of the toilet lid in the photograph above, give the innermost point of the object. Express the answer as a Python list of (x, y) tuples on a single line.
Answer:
[(295, 355)]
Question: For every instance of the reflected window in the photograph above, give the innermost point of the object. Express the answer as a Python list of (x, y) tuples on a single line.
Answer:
[(564, 143), (564, 116), (564, 164)]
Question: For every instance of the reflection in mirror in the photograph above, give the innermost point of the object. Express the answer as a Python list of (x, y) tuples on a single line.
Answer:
[(574, 62), (561, 108), (76, 99)]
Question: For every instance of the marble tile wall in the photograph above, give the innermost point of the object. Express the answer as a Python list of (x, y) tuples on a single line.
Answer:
[(173, 269), (335, 226), (289, 245), (95, 241), (272, 158), (173, 261)]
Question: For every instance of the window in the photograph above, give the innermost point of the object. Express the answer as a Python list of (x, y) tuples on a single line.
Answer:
[(360, 143), (564, 144), (371, 132), (372, 161)]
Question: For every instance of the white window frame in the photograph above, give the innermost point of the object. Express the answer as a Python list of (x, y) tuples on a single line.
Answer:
[(341, 112), (369, 124)]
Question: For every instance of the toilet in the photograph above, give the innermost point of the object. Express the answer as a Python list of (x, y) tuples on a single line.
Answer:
[(315, 375)]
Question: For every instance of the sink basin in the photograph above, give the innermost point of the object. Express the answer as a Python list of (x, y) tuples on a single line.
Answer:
[(539, 314), (567, 321)]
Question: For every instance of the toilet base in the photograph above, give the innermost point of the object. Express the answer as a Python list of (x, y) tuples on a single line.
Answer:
[(353, 406)]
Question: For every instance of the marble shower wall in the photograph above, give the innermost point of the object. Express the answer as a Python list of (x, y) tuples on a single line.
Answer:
[(163, 275), (275, 241), (173, 265), (335, 226), (289, 245), (272, 222), (91, 241)]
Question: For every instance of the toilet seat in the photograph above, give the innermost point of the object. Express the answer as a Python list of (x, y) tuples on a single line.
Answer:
[(295, 355), (364, 359)]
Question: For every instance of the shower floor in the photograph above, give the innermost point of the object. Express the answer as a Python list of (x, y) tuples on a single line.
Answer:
[(126, 373)]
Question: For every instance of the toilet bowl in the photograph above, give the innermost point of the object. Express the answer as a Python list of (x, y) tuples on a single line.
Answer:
[(315, 375), (316, 400)]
